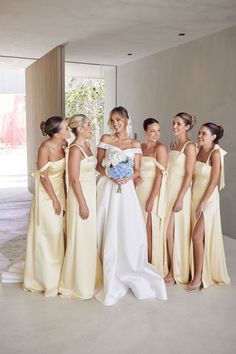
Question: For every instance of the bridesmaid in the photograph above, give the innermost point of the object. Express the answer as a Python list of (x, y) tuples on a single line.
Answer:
[(208, 258), (45, 240), (151, 191), (79, 269), (182, 157)]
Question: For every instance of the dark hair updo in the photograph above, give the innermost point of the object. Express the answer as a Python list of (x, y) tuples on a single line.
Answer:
[(148, 122), (188, 119), (51, 126), (215, 129)]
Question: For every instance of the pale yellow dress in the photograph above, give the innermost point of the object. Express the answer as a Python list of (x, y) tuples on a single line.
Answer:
[(148, 175), (214, 264), (182, 230), (45, 239), (78, 278)]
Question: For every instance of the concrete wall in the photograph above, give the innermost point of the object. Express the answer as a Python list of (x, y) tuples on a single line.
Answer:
[(198, 77)]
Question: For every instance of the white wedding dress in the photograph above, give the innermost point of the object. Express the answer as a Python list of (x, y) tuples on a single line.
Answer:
[(122, 241)]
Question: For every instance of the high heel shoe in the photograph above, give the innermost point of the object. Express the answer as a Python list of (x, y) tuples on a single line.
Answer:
[(194, 288)]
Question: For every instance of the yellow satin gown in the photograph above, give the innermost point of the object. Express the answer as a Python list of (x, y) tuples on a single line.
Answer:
[(182, 230), (78, 278), (45, 239), (148, 175), (214, 264)]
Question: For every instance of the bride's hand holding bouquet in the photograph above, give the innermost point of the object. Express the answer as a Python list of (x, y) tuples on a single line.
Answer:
[(118, 167)]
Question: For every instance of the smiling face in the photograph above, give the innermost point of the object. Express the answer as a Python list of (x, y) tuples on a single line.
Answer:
[(118, 122), (205, 137), (153, 132), (65, 130), (87, 129), (179, 126)]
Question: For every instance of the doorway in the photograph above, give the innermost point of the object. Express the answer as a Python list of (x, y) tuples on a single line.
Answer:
[(13, 157), (90, 89)]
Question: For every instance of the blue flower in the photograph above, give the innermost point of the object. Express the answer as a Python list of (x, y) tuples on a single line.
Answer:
[(123, 169)]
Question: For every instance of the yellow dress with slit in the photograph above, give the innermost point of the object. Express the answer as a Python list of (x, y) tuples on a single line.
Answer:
[(182, 229), (214, 264), (81, 268), (148, 175), (45, 238)]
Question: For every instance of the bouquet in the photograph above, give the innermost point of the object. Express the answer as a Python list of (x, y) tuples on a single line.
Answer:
[(117, 166)]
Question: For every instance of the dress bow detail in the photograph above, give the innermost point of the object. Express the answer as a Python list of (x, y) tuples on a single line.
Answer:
[(222, 172), (37, 174), (161, 210)]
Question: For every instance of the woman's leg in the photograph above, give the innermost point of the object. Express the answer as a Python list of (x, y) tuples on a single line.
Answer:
[(169, 279), (198, 249)]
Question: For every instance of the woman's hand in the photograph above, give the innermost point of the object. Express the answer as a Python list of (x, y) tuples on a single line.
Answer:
[(137, 181), (149, 205), (178, 205), (123, 180), (56, 206), (83, 211), (114, 180), (120, 181), (199, 210)]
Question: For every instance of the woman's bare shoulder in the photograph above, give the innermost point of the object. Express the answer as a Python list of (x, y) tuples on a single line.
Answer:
[(215, 154), (191, 147), (161, 148), (106, 138), (135, 143), (44, 146)]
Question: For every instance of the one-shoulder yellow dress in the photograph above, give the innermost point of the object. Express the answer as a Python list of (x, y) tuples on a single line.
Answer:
[(182, 229), (214, 264), (78, 278), (148, 175), (45, 239)]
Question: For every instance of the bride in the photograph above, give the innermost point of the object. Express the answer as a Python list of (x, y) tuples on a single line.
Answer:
[(122, 239)]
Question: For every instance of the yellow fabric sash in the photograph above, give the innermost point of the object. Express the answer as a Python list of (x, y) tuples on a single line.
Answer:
[(222, 172), (161, 210), (37, 174)]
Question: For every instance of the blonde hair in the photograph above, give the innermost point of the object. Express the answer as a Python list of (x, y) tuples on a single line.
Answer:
[(122, 111), (77, 121), (188, 119)]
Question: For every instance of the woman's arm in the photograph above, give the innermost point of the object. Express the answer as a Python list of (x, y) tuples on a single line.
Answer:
[(101, 154), (100, 157), (190, 152), (214, 178), (74, 161), (64, 175), (162, 157), (43, 158), (136, 168), (137, 160)]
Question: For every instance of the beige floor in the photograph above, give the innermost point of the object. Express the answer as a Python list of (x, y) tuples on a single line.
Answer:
[(204, 322)]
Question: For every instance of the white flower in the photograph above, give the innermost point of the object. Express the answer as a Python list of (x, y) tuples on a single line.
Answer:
[(113, 158)]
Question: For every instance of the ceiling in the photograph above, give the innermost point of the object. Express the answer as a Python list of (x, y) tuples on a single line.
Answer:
[(105, 31)]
